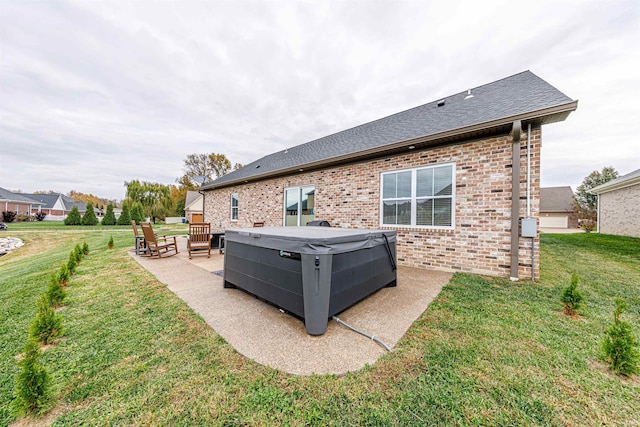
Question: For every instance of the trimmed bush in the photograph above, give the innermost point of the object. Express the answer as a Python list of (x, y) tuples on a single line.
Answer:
[(85, 248), (571, 297), (55, 292), (109, 217), (619, 346), (110, 243), (63, 274), (47, 325), (74, 217), (33, 390), (40, 216), (125, 218), (77, 252), (89, 217)]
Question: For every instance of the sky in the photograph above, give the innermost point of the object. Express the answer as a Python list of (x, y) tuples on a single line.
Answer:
[(96, 93)]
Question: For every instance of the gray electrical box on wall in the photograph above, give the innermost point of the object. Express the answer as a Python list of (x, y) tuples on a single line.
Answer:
[(529, 227)]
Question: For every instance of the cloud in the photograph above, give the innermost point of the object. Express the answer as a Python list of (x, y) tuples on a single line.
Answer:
[(97, 93)]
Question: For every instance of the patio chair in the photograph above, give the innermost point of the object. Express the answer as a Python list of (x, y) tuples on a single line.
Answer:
[(141, 245), (199, 239), (158, 245)]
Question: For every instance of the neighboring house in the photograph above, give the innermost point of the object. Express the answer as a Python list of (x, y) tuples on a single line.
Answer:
[(17, 202), (57, 206), (442, 174), (193, 206), (619, 205), (556, 208)]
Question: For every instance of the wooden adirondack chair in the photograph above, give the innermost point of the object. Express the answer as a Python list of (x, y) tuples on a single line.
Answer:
[(158, 245), (199, 238)]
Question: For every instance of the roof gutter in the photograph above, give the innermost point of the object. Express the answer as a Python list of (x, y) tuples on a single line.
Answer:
[(608, 186), (522, 117)]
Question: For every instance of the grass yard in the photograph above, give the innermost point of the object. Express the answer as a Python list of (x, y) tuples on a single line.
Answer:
[(486, 352)]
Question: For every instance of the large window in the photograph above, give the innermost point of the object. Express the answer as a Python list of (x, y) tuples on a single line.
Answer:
[(234, 207), (298, 205), (420, 197)]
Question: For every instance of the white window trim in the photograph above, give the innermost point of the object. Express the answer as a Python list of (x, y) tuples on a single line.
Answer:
[(413, 198), (231, 207), (284, 202)]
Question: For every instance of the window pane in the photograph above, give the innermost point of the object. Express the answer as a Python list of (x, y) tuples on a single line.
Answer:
[(291, 201), (442, 181), (234, 200), (424, 212), (424, 183), (307, 202), (404, 184), (404, 212), (442, 212), (389, 186), (389, 213)]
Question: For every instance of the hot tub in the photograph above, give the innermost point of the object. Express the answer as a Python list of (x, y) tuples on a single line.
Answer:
[(311, 272)]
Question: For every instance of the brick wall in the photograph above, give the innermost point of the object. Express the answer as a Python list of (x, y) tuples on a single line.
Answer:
[(349, 196), (620, 212)]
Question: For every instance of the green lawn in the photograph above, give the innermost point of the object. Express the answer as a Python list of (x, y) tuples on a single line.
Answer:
[(486, 352)]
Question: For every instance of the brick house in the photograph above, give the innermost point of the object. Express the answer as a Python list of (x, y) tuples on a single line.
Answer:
[(57, 206), (18, 203), (619, 205), (442, 174)]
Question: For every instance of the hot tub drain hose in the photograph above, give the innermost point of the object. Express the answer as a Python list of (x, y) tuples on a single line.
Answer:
[(362, 333)]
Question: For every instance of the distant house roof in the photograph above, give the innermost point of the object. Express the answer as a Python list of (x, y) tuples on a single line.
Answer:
[(493, 108), (631, 178), (9, 196), (556, 199), (192, 196), (49, 200)]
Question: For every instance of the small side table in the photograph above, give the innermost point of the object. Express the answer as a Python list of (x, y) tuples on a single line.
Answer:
[(141, 245)]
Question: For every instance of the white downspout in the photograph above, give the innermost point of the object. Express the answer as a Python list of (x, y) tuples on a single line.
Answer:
[(533, 239)]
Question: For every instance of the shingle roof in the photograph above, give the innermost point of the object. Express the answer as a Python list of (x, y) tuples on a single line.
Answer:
[(524, 96), (622, 181), (191, 197), (9, 196), (556, 199), (47, 199)]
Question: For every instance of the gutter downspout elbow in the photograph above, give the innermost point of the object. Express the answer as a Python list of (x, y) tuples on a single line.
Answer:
[(515, 199)]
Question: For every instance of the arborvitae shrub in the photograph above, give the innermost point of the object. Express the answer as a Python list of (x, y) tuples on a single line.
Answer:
[(47, 325), (74, 217), (63, 274), (32, 384), (89, 217), (619, 346), (77, 251), (109, 217), (55, 292), (72, 263), (85, 248), (110, 243), (137, 213), (571, 297), (125, 218)]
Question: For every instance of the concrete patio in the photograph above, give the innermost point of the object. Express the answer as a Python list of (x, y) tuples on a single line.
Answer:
[(265, 334)]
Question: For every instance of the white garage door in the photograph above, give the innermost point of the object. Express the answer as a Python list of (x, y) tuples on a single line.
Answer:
[(554, 222)]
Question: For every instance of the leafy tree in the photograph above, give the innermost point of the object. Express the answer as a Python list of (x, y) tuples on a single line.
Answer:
[(125, 218), (74, 217), (89, 217), (199, 167), (154, 197), (47, 325), (109, 217), (586, 204), (33, 390), (619, 346)]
